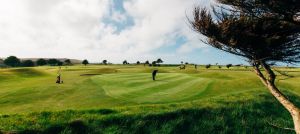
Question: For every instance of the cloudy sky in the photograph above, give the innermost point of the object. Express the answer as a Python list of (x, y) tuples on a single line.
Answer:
[(104, 29)]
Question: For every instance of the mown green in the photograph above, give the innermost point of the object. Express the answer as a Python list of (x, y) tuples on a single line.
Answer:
[(124, 99)]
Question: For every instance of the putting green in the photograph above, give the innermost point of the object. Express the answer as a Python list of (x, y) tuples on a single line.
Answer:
[(140, 88), (169, 87)]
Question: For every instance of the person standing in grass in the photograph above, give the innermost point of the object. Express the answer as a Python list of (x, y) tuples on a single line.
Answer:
[(154, 74), (58, 78)]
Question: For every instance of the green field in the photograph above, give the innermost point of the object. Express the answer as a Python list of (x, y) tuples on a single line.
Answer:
[(124, 99)]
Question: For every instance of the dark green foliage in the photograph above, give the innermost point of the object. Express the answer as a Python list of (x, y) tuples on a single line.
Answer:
[(52, 62), (229, 65), (154, 63), (12, 61), (207, 66), (125, 62), (85, 62), (258, 36), (68, 62), (285, 10), (27, 63), (59, 63), (104, 62), (77, 127), (41, 62), (159, 61), (147, 62), (138, 62)]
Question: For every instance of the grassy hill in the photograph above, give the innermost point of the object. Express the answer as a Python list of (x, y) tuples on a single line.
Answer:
[(124, 99)]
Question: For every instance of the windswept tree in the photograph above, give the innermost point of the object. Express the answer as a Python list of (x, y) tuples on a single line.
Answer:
[(41, 62), (263, 32), (125, 62), (104, 62), (12, 61), (147, 62), (159, 61), (85, 62)]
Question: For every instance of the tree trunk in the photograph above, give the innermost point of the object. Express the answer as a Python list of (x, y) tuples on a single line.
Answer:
[(294, 111), (269, 82), (296, 119)]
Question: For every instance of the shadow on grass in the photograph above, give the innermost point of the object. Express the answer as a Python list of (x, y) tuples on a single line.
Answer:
[(251, 116)]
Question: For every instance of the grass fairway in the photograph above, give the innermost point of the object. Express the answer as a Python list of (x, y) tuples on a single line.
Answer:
[(124, 99)]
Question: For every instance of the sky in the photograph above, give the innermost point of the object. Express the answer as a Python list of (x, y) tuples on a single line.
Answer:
[(115, 30)]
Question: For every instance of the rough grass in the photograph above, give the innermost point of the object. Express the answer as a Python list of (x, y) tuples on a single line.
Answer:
[(124, 99), (244, 115)]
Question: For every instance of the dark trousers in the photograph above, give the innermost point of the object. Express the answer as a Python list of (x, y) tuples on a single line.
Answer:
[(154, 74), (58, 80)]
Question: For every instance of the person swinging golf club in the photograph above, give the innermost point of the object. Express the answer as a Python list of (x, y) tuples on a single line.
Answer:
[(58, 78), (154, 74)]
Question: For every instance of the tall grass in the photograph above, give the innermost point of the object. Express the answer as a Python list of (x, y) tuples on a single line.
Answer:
[(248, 114)]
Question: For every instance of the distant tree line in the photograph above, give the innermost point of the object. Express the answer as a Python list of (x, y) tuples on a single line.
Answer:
[(154, 63), (159, 61), (146, 63), (13, 61)]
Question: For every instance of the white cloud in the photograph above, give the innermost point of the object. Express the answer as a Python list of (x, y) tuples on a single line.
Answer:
[(75, 29)]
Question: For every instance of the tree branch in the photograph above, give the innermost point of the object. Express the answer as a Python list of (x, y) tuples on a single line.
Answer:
[(259, 74), (271, 74)]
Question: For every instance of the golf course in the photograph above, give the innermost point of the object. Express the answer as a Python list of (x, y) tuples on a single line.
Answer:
[(125, 99)]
